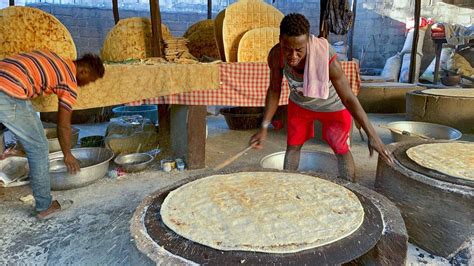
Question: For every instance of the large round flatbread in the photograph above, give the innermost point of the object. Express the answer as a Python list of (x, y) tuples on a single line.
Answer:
[(218, 24), (468, 93), (257, 43), (454, 158), (201, 39), (243, 16), (262, 211), (131, 38), (24, 29)]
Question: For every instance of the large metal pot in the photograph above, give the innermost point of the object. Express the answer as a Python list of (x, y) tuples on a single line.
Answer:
[(310, 161), (94, 164), (430, 130)]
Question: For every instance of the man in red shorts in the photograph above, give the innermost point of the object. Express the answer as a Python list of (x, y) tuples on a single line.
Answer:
[(288, 58)]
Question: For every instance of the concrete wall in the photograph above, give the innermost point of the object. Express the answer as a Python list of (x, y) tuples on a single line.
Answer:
[(379, 26)]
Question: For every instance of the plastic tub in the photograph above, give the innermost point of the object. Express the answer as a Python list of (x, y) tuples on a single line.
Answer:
[(146, 111)]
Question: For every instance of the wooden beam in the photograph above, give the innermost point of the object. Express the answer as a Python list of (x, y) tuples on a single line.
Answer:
[(209, 9), (351, 33), (416, 34), (156, 47), (12, 2), (115, 11)]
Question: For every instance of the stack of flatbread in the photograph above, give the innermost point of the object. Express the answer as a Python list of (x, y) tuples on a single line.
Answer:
[(176, 50)]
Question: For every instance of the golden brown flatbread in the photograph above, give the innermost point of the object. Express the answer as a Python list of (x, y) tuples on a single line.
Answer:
[(24, 29), (453, 158), (131, 38), (262, 211)]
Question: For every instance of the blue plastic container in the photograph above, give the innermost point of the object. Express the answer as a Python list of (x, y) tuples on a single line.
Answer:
[(147, 111)]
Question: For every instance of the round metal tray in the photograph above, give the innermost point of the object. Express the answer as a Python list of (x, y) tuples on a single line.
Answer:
[(342, 251), (400, 154)]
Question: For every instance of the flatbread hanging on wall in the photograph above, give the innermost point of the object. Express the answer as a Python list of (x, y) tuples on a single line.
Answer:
[(24, 29), (262, 211), (257, 43), (131, 38), (243, 16), (454, 158)]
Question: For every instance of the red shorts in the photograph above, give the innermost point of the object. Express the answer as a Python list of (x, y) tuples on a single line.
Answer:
[(336, 127)]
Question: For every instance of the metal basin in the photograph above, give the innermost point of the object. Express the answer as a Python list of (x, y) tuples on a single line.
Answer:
[(94, 164), (435, 131), (310, 161), (134, 162)]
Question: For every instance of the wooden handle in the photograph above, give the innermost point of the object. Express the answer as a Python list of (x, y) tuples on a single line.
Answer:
[(233, 158), (402, 131)]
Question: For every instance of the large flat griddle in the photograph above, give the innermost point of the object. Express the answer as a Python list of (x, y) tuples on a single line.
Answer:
[(344, 250), (401, 156)]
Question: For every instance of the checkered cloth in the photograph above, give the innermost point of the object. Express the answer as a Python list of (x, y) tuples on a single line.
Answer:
[(243, 84)]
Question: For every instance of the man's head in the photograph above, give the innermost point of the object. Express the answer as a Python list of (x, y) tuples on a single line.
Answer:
[(89, 68), (294, 34)]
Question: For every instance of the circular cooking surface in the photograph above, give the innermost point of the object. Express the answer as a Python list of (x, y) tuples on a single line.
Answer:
[(401, 156), (341, 251)]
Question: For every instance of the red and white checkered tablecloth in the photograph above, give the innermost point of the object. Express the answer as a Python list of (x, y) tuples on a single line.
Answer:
[(243, 84)]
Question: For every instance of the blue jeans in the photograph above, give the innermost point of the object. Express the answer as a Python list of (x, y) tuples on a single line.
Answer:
[(20, 118)]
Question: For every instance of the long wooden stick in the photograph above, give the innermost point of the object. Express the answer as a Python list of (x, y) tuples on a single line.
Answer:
[(407, 133), (115, 11), (233, 158), (414, 48)]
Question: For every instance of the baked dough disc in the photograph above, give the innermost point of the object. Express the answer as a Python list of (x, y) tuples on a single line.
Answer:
[(24, 29), (453, 158), (468, 93), (262, 211)]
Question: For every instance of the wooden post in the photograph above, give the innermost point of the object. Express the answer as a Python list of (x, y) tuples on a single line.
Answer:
[(351, 33), (155, 28), (416, 33), (12, 2), (209, 9), (323, 25), (115, 11)]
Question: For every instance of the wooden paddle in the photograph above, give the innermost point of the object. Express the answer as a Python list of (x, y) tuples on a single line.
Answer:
[(406, 133), (233, 158)]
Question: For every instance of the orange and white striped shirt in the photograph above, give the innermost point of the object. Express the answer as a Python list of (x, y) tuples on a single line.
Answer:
[(28, 75)]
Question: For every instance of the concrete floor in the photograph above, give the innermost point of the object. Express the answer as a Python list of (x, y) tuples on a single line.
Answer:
[(96, 229)]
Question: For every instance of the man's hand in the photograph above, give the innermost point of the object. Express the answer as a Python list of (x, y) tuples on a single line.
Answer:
[(375, 143), (72, 164), (258, 138)]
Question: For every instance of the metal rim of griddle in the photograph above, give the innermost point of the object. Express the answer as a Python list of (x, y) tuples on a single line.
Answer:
[(401, 156), (420, 92), (341, 251)]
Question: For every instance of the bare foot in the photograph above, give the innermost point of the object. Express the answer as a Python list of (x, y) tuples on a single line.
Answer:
[(55, 207)]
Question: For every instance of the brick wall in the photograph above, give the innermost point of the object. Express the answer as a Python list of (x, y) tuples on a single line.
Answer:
[(379, 27)]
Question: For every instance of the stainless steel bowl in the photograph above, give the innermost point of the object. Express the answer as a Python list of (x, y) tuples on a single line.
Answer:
[(53, 141), (134, 162), (310, 161), (94, 164), (434, 131)]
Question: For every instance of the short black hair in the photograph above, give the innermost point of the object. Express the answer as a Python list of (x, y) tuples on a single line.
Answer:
[(294, 24), (94, 63)]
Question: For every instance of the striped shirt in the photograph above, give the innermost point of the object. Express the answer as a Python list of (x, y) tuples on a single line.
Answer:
[(28, 75)]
